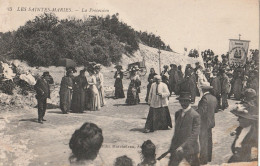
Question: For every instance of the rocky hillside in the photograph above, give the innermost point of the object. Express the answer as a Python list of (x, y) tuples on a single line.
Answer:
[(151, 57)]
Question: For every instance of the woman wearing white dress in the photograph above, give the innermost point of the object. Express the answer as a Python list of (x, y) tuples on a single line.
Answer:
[(92, 94), (201, 80), (100, 82)]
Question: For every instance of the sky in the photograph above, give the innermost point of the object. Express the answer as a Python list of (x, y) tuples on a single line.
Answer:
[(200, 24)]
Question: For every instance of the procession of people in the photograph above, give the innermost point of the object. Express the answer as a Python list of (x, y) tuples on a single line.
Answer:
[(214, 84)]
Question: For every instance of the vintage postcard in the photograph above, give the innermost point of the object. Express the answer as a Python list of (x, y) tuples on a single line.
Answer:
[(124, 83)]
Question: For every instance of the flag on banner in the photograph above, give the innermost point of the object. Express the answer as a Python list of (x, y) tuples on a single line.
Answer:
[(238, 50)]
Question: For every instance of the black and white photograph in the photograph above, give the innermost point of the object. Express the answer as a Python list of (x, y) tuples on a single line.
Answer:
[(129, 83)]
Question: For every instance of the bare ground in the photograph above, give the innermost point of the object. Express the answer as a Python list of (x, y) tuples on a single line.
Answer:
[(26, 142)]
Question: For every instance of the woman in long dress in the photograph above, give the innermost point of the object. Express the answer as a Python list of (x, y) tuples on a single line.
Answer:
[(134, 87), (119, 89), (100, 84), (66, 92), (92, 94), (79, 89)]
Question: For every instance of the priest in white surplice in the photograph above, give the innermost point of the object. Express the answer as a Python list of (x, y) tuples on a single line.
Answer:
[(159, 116)]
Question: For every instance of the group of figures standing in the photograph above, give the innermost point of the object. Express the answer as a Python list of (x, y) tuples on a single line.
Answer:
[(82, 93), (77, 94), (192, 139)]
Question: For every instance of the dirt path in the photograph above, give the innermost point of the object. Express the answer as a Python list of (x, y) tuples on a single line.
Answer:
[(25, 142)]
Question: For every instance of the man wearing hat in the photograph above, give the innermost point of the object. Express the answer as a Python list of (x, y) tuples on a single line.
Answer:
[(42, 89), (206, 108), (158, 117), (225, 87), (185, 143), (244, 147)]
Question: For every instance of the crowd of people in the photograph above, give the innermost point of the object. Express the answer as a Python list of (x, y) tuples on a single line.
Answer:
[(214, 84)]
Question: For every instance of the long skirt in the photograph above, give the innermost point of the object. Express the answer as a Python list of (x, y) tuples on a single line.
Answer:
[(119, 90), (158, 119), (102, 96), (78, 101), (92, 99), (132, 96), (65, 100)]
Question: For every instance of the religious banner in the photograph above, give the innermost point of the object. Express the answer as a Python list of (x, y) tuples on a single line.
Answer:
[(238, 50)]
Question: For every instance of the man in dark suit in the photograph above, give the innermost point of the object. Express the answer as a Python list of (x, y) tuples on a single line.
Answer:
[(206, 108), (42, 89), (216, 84), (185, 144), (225, 88)]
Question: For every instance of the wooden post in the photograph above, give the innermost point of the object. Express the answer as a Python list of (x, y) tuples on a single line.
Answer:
[(159, 51)]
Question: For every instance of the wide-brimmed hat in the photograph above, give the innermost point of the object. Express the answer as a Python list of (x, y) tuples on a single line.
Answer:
[(205, 86), (157, 77), (118, 67), (46, 73), (246, 112), (184, 96)]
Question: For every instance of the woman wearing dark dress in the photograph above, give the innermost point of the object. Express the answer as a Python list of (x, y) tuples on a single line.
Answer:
[(150, 82), (119, 89), (79, 89), (134, 87), (66, 92)]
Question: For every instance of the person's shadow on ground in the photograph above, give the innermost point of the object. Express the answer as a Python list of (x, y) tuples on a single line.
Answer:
[(29, 120), (137, 129)]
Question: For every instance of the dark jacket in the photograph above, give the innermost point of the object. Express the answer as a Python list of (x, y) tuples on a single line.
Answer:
[(216, 84), (186, 132), (42, 89), (225, 85), (206, 108)]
